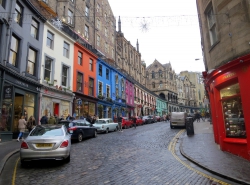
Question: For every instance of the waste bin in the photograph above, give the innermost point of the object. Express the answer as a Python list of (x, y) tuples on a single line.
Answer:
[(190, 126)]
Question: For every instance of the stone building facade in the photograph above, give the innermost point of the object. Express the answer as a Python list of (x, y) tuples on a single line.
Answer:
[(224, 28), (92, 20), (128, 57), (161, 79)]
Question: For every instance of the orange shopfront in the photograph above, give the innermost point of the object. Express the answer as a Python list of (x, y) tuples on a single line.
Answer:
[(228, 88)]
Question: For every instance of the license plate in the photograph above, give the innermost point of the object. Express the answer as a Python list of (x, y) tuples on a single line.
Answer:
[(71, 131), (43, 145)]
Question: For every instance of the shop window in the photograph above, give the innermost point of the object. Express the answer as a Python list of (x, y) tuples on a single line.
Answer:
[(233, 112)]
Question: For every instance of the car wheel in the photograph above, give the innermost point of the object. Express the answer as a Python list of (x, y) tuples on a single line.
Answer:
[(95, 134), (107, 131), (79, 137), (171, 126), (67, 160)]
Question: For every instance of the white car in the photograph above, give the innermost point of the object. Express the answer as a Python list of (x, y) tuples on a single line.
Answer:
[(105, 125)]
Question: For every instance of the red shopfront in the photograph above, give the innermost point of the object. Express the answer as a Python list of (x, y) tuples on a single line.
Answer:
[(228, 88)]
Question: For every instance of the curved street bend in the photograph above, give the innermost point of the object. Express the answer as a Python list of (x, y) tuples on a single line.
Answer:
[(147, 155)]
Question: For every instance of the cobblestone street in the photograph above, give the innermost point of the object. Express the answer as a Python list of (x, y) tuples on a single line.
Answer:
[(134, 156)]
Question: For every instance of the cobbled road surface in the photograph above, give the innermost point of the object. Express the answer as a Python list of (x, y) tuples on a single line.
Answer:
[(135, 156)]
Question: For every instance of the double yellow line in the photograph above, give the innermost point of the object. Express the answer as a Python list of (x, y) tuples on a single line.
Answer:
[(171, 148)]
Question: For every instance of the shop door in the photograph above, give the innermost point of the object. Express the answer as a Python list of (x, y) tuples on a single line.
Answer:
[(18, 110), (56, 109)]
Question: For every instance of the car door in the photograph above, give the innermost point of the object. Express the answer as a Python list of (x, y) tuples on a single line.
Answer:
[(85, 128), (90, 128), (111, 124)]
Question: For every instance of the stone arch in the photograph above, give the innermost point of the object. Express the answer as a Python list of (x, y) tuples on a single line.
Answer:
[(162, 95)]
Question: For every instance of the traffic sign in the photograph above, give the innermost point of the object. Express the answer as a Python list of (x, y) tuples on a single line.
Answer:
[(79, 101)]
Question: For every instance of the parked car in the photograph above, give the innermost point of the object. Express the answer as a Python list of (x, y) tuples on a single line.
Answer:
[(52, 142), (147, 119), (105, 125), (139, 121), (126, 122), (159, 118), (80, 129), (178, 119)]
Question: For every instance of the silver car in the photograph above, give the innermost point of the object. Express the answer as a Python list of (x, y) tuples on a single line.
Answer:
[(49, 142)]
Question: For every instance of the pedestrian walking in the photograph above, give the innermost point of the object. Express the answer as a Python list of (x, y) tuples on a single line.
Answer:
[(21, 126), (44, 120), (120, 122), (31, 123), (93, 120), (52, 120), (134, 121)]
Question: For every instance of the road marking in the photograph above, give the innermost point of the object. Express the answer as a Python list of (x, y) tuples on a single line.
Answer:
[(14, 173), (171, 148)]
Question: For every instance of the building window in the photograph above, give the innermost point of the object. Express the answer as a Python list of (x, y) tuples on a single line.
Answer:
[(34, 28), (91, 68), (86, 33), (66, 49), (160, 85), (107, 74), (98, 24), (70, 17), (87, 11), (47, 68), (79, 58), (112, 39), (50, 40), (153, 85), (65, 70), (98, 40), (99, 88), (14, 48), (108, 91), (153, 74), (100, 70), (117, 92), (106, 47), (233, 112), (31, 61), (211, 26), (91, 86), (116, 79), (18, 14), (2, 3), (105, 16), (79, 82), (106, 32), (160, 74), (97, 8)]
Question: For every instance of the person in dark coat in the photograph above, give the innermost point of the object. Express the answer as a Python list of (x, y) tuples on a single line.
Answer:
[(44, 120), (134, 121)]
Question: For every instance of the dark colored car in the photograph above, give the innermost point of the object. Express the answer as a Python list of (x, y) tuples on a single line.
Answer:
[(80, 129)]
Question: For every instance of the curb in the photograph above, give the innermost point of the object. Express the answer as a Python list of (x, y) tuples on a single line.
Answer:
[(5, 159), (208, 169)]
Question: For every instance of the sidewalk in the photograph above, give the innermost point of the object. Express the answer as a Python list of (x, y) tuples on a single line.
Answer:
[(202, 150), (7, 149)]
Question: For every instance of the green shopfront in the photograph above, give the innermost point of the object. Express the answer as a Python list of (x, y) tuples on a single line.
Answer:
[(18, 97)]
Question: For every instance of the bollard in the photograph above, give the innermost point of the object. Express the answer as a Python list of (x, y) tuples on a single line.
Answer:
[(190, 126)]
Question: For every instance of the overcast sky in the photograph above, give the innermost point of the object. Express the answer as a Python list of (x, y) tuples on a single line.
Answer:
[(167, 30)]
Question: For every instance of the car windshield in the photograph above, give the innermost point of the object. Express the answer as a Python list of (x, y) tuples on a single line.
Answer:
[(47, 131), (100, 121)]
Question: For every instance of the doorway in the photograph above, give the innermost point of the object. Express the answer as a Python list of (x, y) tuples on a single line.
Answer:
[(56, 109), (18, 111)]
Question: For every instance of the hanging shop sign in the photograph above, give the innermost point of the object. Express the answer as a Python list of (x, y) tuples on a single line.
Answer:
[(8, 91)]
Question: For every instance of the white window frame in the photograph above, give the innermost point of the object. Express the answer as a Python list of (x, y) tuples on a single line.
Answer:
[(66, 50), (108, 94), (100, 91), (212, 26)]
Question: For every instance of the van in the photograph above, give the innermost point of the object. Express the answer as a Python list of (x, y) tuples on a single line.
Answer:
[(178, 119)]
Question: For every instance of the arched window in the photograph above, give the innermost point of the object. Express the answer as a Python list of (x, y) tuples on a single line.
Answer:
[(153, 74), (153, 85)]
